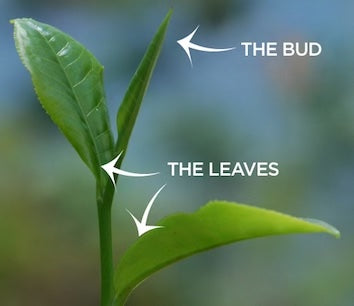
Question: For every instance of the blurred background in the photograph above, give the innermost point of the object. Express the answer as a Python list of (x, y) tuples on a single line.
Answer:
[(296, 111)]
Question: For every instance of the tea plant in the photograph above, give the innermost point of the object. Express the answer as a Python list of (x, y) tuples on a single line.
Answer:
[(69, 83)]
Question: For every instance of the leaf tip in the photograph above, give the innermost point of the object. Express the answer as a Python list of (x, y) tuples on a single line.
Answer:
[(325, 227), (15, 21), (170, 12), (168, 16)]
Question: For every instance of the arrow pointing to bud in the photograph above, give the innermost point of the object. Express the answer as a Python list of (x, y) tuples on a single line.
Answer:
[(186, 44), (111, 170), (141, 225)]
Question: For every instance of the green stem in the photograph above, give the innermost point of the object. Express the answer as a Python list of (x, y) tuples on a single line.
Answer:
[(104, 206)]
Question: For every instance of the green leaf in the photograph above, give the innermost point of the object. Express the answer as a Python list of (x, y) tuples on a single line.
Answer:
[(216, 224), (69, 83), (130, 106)]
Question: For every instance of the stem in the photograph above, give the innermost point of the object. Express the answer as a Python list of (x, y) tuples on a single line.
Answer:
[(104, 205)]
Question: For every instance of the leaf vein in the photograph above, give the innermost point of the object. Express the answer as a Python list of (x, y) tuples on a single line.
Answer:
[(84, 78), (60, 52), (101, 134), (75, 60), (95, 107)]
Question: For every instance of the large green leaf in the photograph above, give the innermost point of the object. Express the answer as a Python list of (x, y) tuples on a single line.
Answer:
[(130, 106), (69, 83), (216, 224)]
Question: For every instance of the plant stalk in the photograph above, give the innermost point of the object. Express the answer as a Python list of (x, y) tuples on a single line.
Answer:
[(104, 207)]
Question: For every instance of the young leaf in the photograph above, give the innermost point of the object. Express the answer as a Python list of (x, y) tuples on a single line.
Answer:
[(216, 224), (69, 83), (130, 106)]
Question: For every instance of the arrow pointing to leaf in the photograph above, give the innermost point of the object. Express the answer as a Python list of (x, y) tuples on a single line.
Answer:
[(186, 44), (111, 170), (141, 225)]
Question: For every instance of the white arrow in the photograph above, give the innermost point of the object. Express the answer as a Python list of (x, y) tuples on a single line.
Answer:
[(141, 225), (186, 44), (111, 170)]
